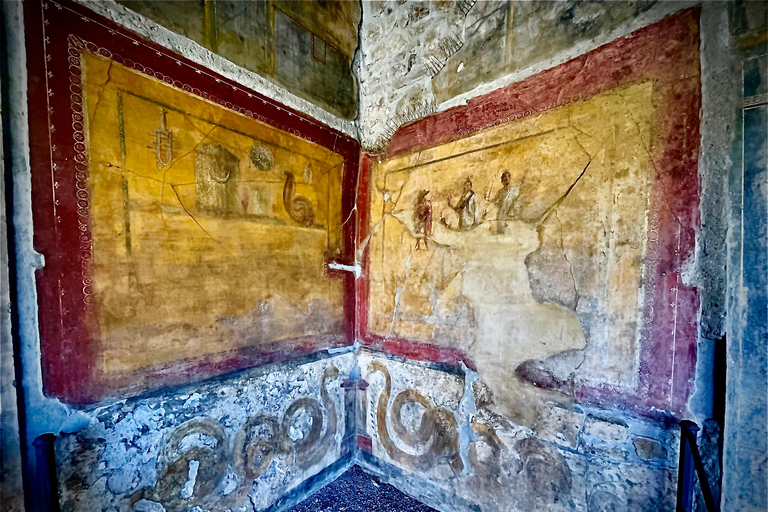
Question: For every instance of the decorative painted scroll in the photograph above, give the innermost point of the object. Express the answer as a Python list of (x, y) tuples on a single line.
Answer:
[(437, 434), (540, 233), (426, 438), (250, 455), (187, 223)]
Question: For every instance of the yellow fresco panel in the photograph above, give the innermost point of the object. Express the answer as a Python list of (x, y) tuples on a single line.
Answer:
[(521, 241), (209, 228)]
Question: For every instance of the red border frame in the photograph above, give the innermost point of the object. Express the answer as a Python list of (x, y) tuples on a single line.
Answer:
[(668, 53), (69, 369)]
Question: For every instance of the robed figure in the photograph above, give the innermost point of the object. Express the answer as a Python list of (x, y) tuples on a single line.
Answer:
[(422, 219)]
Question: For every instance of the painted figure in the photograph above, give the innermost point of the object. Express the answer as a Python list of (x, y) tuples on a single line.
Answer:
[(466, 207), (506, 202), (422, 218)]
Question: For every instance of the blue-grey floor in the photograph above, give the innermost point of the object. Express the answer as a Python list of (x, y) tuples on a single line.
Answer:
[(357, 491)]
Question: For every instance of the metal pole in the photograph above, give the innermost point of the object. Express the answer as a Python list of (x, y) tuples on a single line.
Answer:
[(686, 471)]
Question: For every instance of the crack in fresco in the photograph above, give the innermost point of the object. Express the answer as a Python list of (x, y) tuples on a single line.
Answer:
[(564, 87), (399, 292), (109, 166), (570, 266), (659, 175), (557, 203), (100, 95), (197, 223), (164, 182)]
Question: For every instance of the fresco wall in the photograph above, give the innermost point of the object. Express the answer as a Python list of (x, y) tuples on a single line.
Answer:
[(533, 242), (540, 234), (203, 229), (529, 249), (306, 47), (187, 227), (182, 233)]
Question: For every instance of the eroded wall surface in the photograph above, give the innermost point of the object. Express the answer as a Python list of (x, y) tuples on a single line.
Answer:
[(306, 47), (455, 453), (237, 443), (421, 57)]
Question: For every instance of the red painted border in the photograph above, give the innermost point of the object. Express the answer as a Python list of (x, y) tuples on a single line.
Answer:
[(69, 368), (666, 52)]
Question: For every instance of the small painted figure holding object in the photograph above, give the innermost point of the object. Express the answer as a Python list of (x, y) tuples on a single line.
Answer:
[(466, 207), (422, 219)]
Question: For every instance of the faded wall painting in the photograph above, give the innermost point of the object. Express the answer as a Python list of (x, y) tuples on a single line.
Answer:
[(209, 229), (520, 242), (306, 47), (507, 36), (187, 223), (541, 232), (452, 448)]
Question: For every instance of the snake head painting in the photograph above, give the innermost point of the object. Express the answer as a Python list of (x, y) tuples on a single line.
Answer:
[(299, 208)]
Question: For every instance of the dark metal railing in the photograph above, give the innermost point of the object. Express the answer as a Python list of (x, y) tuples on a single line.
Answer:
[(46, 490), (691, 464)]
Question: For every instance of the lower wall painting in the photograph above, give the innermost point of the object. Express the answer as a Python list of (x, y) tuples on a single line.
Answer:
[(434, 435), (239, 443)]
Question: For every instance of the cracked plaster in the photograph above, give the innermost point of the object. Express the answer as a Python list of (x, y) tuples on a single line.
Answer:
[(504, 283)]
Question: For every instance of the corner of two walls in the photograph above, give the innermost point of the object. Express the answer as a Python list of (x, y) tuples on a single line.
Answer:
[(421, 415)]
